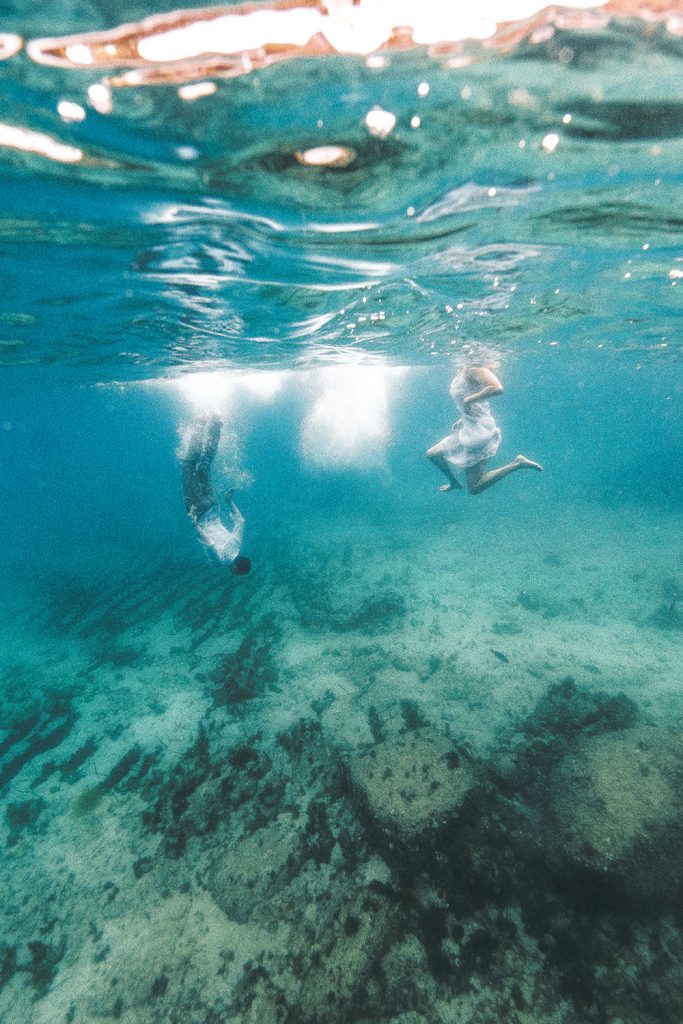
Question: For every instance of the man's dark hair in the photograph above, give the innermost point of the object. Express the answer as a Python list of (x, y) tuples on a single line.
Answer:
[(241, 565)]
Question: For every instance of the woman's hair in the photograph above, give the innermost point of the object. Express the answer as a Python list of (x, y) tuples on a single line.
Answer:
[(241, 565), (475, 353)]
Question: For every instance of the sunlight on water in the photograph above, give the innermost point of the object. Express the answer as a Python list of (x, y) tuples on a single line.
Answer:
[(218, 392), (349, 423)]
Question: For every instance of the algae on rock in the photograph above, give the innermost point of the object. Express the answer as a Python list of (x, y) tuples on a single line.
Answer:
[(615, 797), (413, 782)]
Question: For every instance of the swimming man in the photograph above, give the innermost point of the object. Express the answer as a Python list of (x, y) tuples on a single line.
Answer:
[(202, 505)]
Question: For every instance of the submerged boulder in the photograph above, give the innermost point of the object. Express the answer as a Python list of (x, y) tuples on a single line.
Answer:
[(249, 870), (616, 806), (411, 783), (353, 928)]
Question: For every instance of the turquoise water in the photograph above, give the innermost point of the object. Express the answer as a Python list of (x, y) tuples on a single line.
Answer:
[(423, 764)]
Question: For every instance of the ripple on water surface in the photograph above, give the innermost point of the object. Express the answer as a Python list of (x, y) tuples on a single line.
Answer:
[(524, 191)]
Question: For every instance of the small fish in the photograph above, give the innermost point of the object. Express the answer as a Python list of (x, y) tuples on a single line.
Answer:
[(500, 655)]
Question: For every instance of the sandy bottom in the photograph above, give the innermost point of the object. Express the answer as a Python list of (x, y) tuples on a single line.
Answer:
[(387, 778)]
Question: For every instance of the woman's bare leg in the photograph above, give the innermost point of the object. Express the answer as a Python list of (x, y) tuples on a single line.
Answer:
[(479, 480), (441, 463)]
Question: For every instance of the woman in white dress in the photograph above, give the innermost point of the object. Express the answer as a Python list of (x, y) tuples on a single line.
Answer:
[(475, 437)]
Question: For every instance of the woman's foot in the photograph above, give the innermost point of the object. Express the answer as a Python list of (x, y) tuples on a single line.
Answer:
[(452, 486), (525, 463)]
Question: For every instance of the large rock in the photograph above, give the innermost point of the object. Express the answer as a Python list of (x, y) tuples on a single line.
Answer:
[(353, 928), (412, 783), (616, 805), (250, 869), (326, 964), (171, 959)]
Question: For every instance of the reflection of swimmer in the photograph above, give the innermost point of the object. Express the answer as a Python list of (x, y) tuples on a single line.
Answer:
[(201, 503), (475, 437)]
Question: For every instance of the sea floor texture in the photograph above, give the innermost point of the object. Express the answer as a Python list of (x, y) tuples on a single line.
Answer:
[(395, 778)]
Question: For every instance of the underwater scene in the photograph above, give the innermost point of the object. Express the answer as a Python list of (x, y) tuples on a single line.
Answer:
[(341, 576)]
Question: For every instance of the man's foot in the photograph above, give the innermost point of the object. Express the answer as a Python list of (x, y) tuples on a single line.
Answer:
[(452, 486), (525, 463)]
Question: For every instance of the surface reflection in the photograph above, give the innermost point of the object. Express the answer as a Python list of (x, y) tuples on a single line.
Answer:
[(39, 143), (229, 41), (9, 44)]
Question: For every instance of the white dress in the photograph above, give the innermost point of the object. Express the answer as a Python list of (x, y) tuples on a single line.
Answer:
[(477, 437)]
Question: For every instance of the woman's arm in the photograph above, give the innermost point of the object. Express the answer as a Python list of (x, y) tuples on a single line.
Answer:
[(488, 384)]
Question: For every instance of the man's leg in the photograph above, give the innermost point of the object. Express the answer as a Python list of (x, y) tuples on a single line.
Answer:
[(197, 490)]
